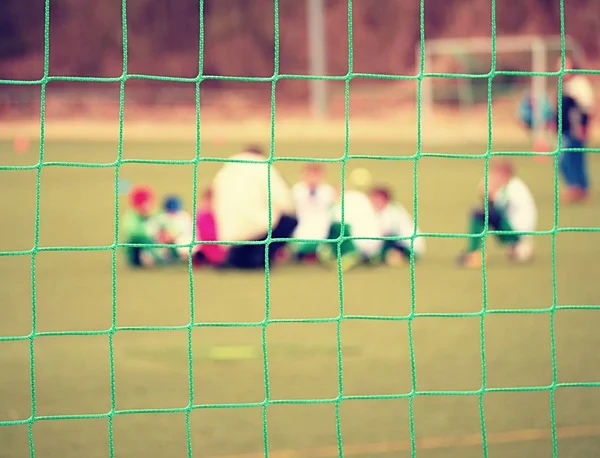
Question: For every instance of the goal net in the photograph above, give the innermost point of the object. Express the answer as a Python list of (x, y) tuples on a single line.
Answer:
[(455, 71)]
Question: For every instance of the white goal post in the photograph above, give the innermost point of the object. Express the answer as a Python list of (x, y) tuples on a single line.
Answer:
[(538, 48)]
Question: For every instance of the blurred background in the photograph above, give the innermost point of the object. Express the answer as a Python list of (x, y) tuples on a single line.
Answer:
[(238, 40), (380, 363)]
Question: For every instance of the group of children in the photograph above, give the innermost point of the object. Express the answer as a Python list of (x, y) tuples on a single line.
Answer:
[(249, 203), (171, 226), (307, 221)]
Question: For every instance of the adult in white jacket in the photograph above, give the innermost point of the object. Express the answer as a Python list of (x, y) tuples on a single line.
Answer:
[(241, 206)]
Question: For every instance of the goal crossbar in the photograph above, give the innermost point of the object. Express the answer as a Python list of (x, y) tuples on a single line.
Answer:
[(505, 43), (537, 45)]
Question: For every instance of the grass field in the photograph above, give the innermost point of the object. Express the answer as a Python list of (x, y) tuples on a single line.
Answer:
[(74, 292)]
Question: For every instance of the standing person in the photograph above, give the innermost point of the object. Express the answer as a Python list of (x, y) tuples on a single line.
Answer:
[(575, 113), (314, 200), (241, 208)]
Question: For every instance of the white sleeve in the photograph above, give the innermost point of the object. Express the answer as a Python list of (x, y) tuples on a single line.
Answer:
[(225, 205), (240, 201), (297, 193), (282, 200), (581, 90), (229, 204), (330, 195), (522, 210), (185, 228), (406, 227), (336, 212)]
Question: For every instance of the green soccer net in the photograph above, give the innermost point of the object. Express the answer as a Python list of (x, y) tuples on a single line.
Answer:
[(269, 400)]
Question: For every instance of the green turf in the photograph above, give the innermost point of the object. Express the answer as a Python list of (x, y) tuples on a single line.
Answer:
[(151, 368)]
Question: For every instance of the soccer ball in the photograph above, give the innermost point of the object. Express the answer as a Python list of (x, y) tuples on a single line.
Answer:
[(360, 178)]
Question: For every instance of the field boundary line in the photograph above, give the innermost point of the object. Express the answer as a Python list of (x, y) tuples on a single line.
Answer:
[(398, 130), (430, 443)]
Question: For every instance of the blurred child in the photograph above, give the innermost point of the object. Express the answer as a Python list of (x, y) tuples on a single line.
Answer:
[(535, 112), (511, 207), (140, 227), (535, 115), (313, 199), (395, 221), (206, 231), (360, 220), (577, 108), (175, 228)]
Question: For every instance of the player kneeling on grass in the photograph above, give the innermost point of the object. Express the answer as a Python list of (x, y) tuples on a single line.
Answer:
[(511, 208), (313, 199), (241, 205), (360, 220), (395, 221), (175, 227), (140, 227)]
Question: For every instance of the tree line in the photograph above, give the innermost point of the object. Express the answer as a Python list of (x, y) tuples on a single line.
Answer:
[(163, 36)]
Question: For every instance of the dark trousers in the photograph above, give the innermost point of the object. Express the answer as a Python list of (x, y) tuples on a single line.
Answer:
[(247, 256), (395, 245), (497, 221), (573, 166), (347, 245), (134, 254)]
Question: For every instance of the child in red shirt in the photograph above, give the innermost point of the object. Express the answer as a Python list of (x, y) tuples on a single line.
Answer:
[(206, 231)]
